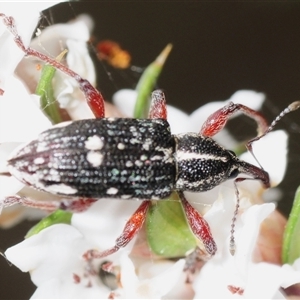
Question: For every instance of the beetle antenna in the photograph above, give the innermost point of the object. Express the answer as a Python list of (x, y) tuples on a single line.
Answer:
[(3, 255), (292, 107), (232, 246)]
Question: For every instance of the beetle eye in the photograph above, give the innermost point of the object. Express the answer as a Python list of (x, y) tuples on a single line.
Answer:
[(233, 173)]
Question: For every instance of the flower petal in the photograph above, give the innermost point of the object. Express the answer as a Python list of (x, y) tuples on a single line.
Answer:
[(45, 253), (10, 54), (246, 237), (148, 288), (9, 186), (212, 282), (166, 280), (104, 221), (66, 89), (74, 36), (5, 150), (58, 288), (179, 121), (224, 270), (264, 281), (292, 274), (125, 100), (17, 114)]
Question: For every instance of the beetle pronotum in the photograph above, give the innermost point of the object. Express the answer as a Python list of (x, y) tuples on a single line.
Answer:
[(132, 159)]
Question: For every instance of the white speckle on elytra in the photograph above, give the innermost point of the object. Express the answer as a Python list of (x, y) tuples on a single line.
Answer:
[(42, 146), (147, 144), (94, 158), (112, 191), (94, 143), (39, 160), (121, 146), (134, 141), (138, 163), (128, 164), (60, 189), (156, 157)]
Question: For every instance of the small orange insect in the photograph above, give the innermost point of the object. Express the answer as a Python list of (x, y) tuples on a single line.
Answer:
[(112, 53)]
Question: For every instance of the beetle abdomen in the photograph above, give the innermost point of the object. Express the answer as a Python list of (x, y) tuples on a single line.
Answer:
[(120, 158)]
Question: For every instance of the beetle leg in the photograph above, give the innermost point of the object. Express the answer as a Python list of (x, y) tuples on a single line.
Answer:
[(158, 106), (131, 228), (197, 223), (44, 205), (217, 120), (199, 226), (76, 204), (73, 205), (93, 97)]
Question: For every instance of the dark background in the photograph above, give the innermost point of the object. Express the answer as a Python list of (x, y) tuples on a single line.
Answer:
[(219, 48)]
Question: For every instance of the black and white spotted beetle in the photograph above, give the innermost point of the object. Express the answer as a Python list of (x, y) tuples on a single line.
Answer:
[(133, 159)]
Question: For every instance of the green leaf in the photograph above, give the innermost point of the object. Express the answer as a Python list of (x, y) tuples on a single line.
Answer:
[(57, 217), (168, 232), (291, 240), (44, 89), (147, 83)]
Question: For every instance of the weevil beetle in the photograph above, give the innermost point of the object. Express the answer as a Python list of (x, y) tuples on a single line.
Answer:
[(132, 159), (125, 158)]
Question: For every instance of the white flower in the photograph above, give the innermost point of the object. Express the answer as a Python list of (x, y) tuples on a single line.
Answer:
[(72, 36), (19, 106), (149, 287), (10, 55), (224, 273), (18, 110), (54, 257)]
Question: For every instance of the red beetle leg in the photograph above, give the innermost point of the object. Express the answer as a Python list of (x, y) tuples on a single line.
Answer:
[(93, 97), (199, 226), (132, 227), (158, 106), (217, 120)]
